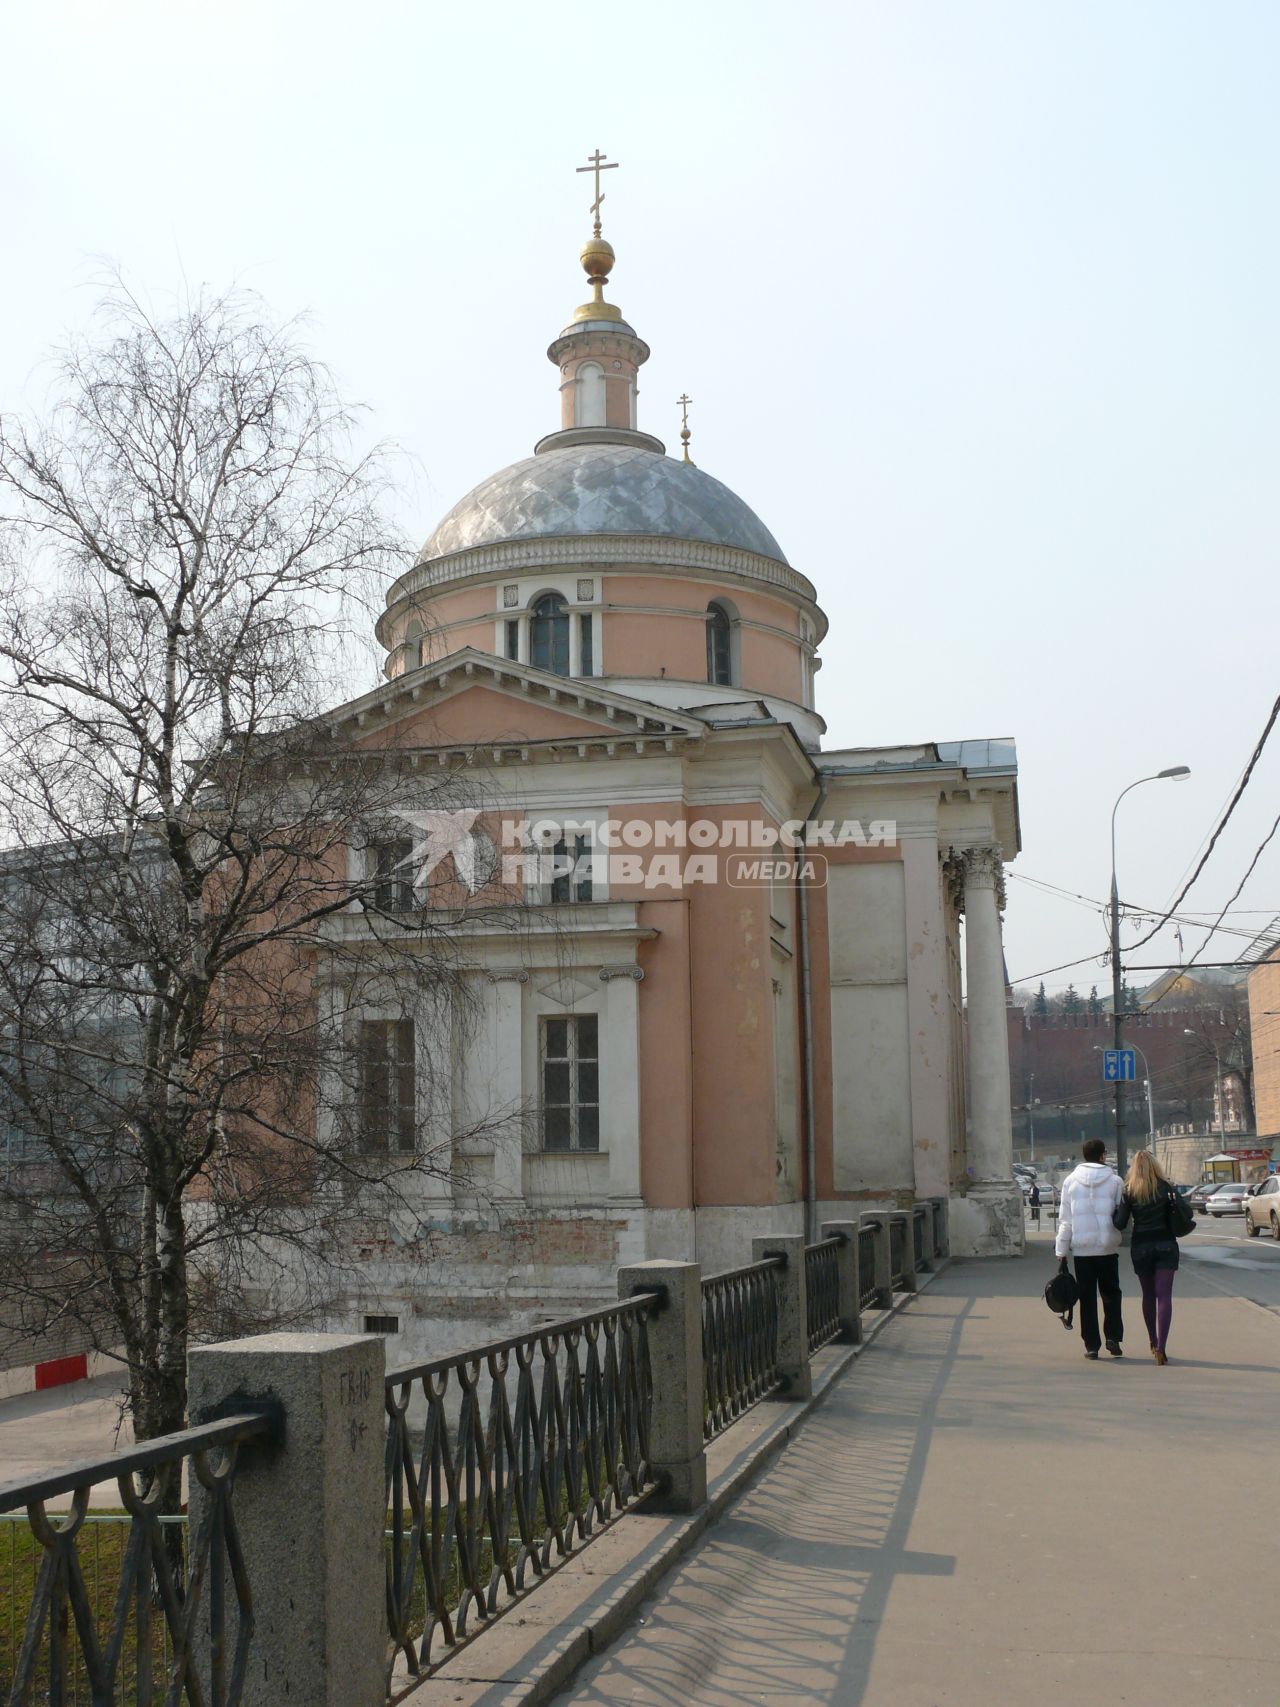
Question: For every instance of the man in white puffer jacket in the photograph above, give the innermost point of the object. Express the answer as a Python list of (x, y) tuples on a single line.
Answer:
[(1091, 1194)]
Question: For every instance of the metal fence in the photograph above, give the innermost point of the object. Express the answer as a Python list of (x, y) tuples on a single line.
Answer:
[(866, 1267), (939, 1226), (822, 1290), (528, 1446), (739, 1341), (920, 1234), (500, 1462), (152, 1613)]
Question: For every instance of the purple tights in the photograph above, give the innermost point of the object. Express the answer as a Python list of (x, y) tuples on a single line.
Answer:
[(1157, 1303)]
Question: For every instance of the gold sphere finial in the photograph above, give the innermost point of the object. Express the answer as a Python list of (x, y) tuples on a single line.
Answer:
[(597, 259), (597, 255)]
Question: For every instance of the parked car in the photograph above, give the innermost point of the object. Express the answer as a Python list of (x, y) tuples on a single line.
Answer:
[(1227, 1200), (1262, 1208), (1201, 1193)]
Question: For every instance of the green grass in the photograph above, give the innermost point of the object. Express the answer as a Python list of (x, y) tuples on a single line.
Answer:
[(101, 1548), (101, 1552)]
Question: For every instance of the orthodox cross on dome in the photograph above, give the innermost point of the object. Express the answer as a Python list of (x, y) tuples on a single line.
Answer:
[(684, 401), (597, 163)]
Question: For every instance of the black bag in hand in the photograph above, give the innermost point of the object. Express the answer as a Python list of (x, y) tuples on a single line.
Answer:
[(1181, 1219), (1062, 1294)]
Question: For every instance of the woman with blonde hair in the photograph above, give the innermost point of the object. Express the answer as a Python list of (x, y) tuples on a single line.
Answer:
[(1152, 1204)]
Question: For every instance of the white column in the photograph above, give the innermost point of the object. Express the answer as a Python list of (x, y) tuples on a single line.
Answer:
[(991, 1134), (620, 1079), (438, 1091), (575, 643), (506, 1104), (522, 640)]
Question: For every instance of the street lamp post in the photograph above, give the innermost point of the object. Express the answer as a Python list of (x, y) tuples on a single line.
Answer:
[(1117, 993)]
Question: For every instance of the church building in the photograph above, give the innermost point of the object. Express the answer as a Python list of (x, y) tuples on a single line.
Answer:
[(732, 1001)]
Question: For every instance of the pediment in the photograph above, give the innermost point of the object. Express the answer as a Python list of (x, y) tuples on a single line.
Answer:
[(565, 992), (471, 699)]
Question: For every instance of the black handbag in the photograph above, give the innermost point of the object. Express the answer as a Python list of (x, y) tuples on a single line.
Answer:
[(1062, 1294), (1181, 1219)]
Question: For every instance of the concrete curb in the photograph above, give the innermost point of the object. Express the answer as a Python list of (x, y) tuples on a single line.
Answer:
[(533, 1650)]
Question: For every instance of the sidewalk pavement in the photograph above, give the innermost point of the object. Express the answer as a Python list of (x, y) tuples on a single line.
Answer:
[(42, 1432), (978, 1517)]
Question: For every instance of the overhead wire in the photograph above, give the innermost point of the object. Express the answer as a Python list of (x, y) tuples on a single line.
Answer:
[(1222, 823)]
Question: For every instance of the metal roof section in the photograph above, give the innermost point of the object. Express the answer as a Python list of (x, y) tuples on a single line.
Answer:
[(592, 489), (995, 756)]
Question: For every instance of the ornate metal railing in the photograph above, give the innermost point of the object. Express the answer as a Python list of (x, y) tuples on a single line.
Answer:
[(939, 1227), (897, 1248), (739, 1341), (525, 1448), (866, 1267), (919, 1234), (177, 1623), (822, 1290)]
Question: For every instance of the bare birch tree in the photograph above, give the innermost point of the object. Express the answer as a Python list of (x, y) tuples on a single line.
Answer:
[(186, 539)]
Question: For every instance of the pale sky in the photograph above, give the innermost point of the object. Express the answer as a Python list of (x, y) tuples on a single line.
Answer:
[(977, 304)]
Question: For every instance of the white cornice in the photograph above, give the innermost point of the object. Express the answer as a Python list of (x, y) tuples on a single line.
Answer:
[(652, 553)]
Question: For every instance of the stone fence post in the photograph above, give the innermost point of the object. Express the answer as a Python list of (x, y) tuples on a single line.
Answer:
[(676, 1449), (310, 1513), (909, 1282), (940, 1225), (793, 1312), (879, 1220), (847, 1279)]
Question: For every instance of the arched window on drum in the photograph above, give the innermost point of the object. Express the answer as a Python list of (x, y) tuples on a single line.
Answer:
[(589, 395), (720, 644), (549, 635)]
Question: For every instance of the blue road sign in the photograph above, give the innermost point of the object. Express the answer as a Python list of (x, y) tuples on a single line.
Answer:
[(1118, 1064)]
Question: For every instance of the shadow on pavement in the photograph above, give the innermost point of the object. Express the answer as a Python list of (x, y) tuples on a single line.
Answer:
[(836, 1511)]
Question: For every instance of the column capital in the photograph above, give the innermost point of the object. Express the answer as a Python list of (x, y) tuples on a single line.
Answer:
[(628, 971), (978, 867), (953, 878), (512, 977)]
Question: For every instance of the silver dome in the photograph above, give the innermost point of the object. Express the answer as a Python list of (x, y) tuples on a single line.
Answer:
[(601, 488)]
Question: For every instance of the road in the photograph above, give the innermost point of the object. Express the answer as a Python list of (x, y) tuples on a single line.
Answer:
[(1223, 1255), (1220, 1253)]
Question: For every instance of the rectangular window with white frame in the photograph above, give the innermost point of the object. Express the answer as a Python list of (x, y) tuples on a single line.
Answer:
[(389, 874), (386, 1069), (562, 865), (570, 1067)]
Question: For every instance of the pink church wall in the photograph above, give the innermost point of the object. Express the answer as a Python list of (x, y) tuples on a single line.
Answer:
[(450, 621), (480, 714), (652, 625), (707, 1000), (666, 1072), (642, 641)]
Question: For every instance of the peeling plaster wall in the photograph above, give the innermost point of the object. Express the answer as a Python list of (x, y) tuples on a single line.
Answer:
[(871, 1064)]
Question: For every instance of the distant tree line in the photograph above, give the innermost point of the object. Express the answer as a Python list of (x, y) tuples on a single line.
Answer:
[(1069, 1003)]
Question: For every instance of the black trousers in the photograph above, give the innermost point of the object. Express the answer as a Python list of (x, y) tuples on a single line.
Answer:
[(1094, 1275)]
